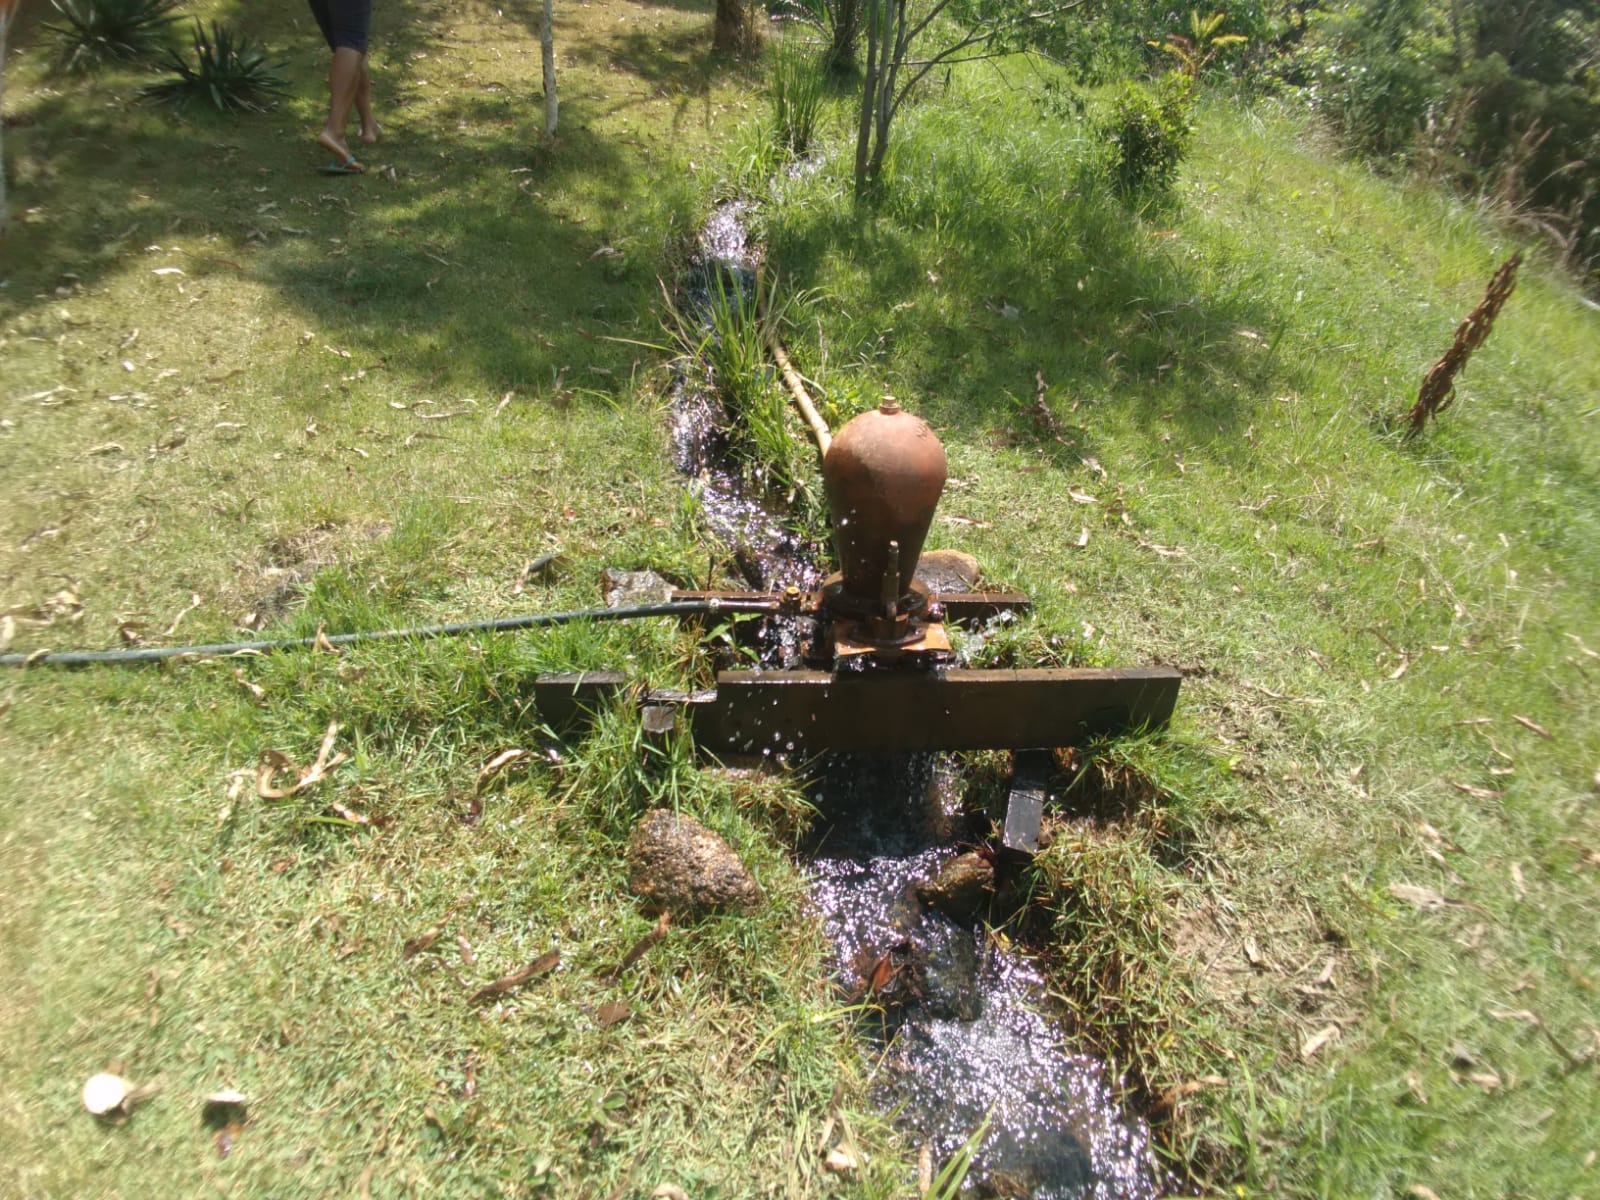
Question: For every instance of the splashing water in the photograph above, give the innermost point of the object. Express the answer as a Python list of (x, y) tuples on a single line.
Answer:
[(972, 1036)]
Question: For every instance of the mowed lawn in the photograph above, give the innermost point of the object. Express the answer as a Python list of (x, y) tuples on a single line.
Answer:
[(1342, 942)]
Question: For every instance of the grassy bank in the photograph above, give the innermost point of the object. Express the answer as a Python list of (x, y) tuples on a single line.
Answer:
[(372, 402), (1172, 427), (240, 398)]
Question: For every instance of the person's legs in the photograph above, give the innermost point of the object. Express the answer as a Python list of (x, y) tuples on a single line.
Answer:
[(369, 124), (344, 81)]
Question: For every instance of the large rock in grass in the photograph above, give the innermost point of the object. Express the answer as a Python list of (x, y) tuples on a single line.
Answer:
[(676, 863)]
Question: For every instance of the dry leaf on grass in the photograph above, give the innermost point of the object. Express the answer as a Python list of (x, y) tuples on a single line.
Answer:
[(613, 1012), (1191, 1086), (509, 983), (1477, 793), (669, 1191), (1419, 1192), (840, 1161), (194, 603), (1533, 725), (257, 692), (1421, 898), (1318, 1040), (274, 763), (425, 939), (497, 764)]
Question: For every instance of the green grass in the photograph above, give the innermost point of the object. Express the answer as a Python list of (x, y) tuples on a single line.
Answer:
[(1219, 375), (399, 389), (390, 392)]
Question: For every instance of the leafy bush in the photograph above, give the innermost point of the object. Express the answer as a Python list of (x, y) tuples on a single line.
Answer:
[(1498, 99), (94, 33), (230, 72), (1149, 132)]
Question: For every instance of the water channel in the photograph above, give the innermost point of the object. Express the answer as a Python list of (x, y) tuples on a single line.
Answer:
[(964, 1034)]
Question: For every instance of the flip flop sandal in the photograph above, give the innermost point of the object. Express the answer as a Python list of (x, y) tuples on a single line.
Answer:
[(348, 167)]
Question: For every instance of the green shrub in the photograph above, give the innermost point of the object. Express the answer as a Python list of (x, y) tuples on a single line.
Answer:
[(230, 72), (1149, 132), (95, 33)]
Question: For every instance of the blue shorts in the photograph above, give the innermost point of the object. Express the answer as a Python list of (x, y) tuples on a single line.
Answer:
[(344, 23)]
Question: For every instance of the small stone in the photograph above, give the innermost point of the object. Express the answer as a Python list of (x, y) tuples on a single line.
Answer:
[(676, 863), (623, 588), (961, 887), (105, 1094), (948, 571)]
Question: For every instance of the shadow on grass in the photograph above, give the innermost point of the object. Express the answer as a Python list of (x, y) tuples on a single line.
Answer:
[(992, 275), (470, 253)]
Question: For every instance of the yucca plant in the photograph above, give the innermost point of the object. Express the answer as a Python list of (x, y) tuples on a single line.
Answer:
[(230, 72), (95, 33)]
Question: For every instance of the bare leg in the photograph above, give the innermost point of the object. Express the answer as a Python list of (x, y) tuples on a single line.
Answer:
[(344, 78), (369, 124)]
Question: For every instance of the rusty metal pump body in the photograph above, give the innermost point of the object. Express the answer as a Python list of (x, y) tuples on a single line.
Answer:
[(881, 676), (883, 476)]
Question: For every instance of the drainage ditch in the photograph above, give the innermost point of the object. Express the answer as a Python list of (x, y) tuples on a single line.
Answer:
[(961, 1027)]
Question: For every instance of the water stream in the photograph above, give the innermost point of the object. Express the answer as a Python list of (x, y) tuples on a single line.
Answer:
[(965, 1031)]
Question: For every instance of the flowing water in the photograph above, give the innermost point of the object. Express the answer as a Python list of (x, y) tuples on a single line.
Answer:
[(965, 1033), (968, 1034)]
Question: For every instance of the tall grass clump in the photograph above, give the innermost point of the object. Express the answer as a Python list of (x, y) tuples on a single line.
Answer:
[(230, 72), (795, 88), (91, 34), (729, 337)]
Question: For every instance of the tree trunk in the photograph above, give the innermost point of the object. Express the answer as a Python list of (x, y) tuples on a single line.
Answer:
[(734, 31), (7, 10), (893, 53), (547, 54), (869, 96), (846, 19)]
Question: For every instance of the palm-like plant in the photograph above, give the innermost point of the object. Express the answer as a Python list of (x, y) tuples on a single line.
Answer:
[(95, 33), (1195, 50), (230, 72)]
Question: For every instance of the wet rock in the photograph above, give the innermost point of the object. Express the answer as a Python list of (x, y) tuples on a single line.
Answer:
[(948, 571), (962, 886), (950, 986), (676, 863), (622, 588)]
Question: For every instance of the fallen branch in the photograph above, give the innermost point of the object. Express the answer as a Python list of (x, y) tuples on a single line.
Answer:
[(791, 378)]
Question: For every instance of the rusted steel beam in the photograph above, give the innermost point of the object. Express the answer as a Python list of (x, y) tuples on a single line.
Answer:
[(801, 712), (756, 712)]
